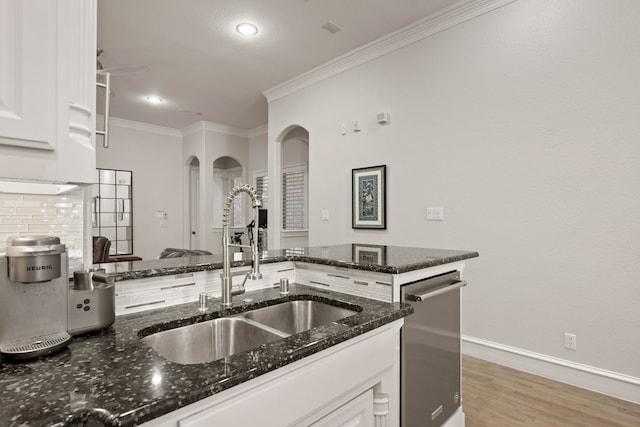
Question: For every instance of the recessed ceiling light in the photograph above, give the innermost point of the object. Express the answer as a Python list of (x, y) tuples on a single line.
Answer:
[(247, 29), (152, 99)]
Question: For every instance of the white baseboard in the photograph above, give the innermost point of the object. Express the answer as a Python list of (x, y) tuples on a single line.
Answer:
[(599, 380)]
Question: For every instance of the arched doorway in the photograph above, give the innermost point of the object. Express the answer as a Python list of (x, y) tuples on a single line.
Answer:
[(194, 203), (295, 188)]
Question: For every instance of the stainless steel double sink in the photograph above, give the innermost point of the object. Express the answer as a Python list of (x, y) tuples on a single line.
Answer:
[(218, 338)]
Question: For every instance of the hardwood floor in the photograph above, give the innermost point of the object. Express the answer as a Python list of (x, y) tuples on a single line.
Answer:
[(497, 396)]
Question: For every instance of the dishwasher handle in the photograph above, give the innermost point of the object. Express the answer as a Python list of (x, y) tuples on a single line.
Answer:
[(431, 294)]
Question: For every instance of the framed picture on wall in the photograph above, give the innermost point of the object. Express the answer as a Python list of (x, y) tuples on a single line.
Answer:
[(369, 197)]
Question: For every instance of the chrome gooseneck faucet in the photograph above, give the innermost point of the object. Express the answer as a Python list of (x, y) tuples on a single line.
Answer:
[(254, 274)]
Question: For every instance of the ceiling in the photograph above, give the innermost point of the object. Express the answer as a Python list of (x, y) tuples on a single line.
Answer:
[(204, 70)]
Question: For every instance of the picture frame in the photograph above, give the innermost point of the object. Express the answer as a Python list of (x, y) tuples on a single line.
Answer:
[(369, 197), (369, 254)]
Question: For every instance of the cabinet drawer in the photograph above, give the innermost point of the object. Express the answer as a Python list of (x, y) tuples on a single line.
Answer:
[(356, 282), (355, 413), (154, 292), (176, 281)]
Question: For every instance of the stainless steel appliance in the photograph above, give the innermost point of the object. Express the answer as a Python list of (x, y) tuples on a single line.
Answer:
[(92, 302), (33, 297), (430, 351)]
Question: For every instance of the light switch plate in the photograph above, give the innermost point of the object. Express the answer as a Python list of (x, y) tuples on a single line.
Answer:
[(435, 214), (324, 215)]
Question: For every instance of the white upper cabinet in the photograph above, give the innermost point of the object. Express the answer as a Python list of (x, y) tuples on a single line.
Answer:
[(47, 90)]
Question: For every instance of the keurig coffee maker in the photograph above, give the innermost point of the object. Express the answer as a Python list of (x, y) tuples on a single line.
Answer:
[(33, 297)]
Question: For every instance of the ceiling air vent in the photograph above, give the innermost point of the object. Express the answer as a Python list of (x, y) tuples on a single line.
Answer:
[(332, 27)]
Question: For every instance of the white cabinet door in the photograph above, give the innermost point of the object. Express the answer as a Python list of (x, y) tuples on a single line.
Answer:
[(47, 90), (27, 81), (355, 413)]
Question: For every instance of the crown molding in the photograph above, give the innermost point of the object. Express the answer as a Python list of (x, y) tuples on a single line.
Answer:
[(227, 130), (260, 130), (143, 127), (193, 128), (202, 126), (454, 15)]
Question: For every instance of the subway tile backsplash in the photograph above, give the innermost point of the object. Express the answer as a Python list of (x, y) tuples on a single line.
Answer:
[(52, 215)]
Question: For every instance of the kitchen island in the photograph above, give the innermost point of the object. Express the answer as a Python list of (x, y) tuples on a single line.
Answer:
[(372, 271), (316, 376), (111, 377)]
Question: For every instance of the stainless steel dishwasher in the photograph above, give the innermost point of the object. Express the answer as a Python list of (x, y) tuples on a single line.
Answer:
[(430, 351)]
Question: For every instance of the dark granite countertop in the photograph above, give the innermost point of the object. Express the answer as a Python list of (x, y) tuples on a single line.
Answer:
[(111, 377), (377, 258)]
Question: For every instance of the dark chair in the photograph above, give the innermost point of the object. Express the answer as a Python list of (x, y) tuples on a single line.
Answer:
[(101, 246), (178, 253)]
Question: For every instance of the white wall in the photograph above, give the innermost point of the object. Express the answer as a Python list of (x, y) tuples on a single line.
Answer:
[(523, 124), (154, 154), (295, 152), (257, 153)]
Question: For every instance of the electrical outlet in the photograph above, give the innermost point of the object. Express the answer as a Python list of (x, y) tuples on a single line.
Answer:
[(435, 214), (570, 341)]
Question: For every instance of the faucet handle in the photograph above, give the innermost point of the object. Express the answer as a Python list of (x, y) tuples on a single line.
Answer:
[(284, 286), (202, 299)]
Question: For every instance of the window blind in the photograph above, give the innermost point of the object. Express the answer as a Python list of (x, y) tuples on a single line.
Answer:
[(262, 184), (293, 199)]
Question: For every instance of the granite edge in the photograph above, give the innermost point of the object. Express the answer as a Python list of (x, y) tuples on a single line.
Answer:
[(192, 268)]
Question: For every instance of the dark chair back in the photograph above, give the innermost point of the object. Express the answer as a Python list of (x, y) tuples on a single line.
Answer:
[(178, 253), (101, 246)]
